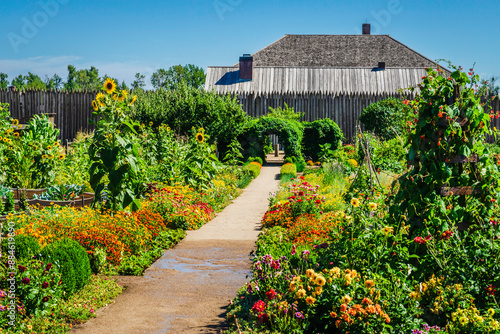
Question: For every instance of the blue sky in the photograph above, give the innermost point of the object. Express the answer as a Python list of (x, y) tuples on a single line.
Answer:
[(121, 38)]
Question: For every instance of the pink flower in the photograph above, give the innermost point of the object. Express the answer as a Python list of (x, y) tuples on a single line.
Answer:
[(271, 294)]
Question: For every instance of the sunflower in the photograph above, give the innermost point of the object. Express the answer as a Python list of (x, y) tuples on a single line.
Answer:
[(100, 99), (61, 156), (44, 156), (201, 130), (109, 85), (16, 134), (372, 206), (133, 100), (94, 105), (49, 148), (200, 137), (355, 202), (15, 122)]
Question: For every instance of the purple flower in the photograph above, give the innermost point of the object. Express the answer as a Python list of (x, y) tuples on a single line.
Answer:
[(249, 288), (26, 280), (21, 268), (45, 285), (2, 294), (299, 315), (2, 308)]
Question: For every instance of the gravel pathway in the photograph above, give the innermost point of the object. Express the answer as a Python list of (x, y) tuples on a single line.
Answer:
[(188, 289)]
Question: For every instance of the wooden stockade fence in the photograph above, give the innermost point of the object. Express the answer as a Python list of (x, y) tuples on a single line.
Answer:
[(72, 109)]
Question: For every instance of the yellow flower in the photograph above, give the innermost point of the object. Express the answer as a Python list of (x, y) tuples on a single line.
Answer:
[(355, 202), (372, 206), (51, 156), (44, 156), (168, 128), (49, 148), (310, 300), (292, 287), (200, 137), (320, 280), (94, 105), (300, 294), (133, 100), (100, 99), (310, 273), (61, 156), (318, 290), (150, 123), (369, 283), (123, 95), (16, 134), (109, 85), (388, 230), (346, 299), (15, 122), (491, 312), (463, 321), (201, 130)]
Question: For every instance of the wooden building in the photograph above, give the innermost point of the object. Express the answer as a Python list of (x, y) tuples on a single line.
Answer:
[(334, 76)]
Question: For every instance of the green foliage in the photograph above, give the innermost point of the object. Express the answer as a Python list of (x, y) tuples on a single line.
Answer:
[(256, 159), (253, 168), (233, 154), (80, 260), (4, 83), (319, 133), (439, 135), (10, 204), (187, 107), (288, 113), (87, 79), (114, 154), (288, 160), (26, 246), (288, 169), (170, 79), (56, 255), (386, 118), (289, 133), (74, 168), (61, 192)]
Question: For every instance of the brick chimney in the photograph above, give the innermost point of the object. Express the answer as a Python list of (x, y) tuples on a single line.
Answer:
[(246, 67), (366, 28)]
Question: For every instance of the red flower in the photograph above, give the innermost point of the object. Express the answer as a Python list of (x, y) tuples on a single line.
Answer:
[(271, 294), (490, 290), (446, 234), (45, 285), (26, 280), (259, 306), (406, 102)]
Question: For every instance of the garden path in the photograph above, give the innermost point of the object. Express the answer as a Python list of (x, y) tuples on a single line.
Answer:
[(188, 289)]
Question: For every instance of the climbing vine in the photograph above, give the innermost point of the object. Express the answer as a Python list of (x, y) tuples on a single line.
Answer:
[(450, 126)]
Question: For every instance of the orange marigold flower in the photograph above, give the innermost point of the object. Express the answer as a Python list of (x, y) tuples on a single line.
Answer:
[(369, 283), (343, 307)]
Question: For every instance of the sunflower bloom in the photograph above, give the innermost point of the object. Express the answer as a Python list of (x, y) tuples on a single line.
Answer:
[(16, 134), (372, 206), (61, 156), (94, 105), (109, 86), (200, 137), (355, 202), (15, 122), (100, 99)]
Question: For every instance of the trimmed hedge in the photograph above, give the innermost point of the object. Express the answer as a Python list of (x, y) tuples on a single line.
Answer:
[(318, 133), (288, 169), (73, 262), (254, 168)]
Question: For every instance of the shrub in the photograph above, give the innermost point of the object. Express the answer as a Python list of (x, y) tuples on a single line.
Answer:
[(80, 260), (26, 246), (386, 118), (256, 159), (288, 169), (288, 160), (320, 132), (254, 168), (56, 254)]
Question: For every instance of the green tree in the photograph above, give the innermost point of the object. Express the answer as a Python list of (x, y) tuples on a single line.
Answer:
[(19, 82), (192, 75), (33, 81), (139, 82), (53, 83), (87, 79), (489, 87), (4, 83), (71, 82)]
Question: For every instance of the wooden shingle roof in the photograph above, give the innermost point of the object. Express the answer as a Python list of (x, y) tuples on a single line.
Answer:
[(339, 51)]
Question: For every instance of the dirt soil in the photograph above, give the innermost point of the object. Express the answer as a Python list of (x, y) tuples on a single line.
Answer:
[(189, 288)]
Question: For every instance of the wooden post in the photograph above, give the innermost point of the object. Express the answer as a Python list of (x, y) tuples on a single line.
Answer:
[(276, 150)]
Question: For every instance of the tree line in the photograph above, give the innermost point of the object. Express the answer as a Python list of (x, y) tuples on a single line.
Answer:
[(89, 79)]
